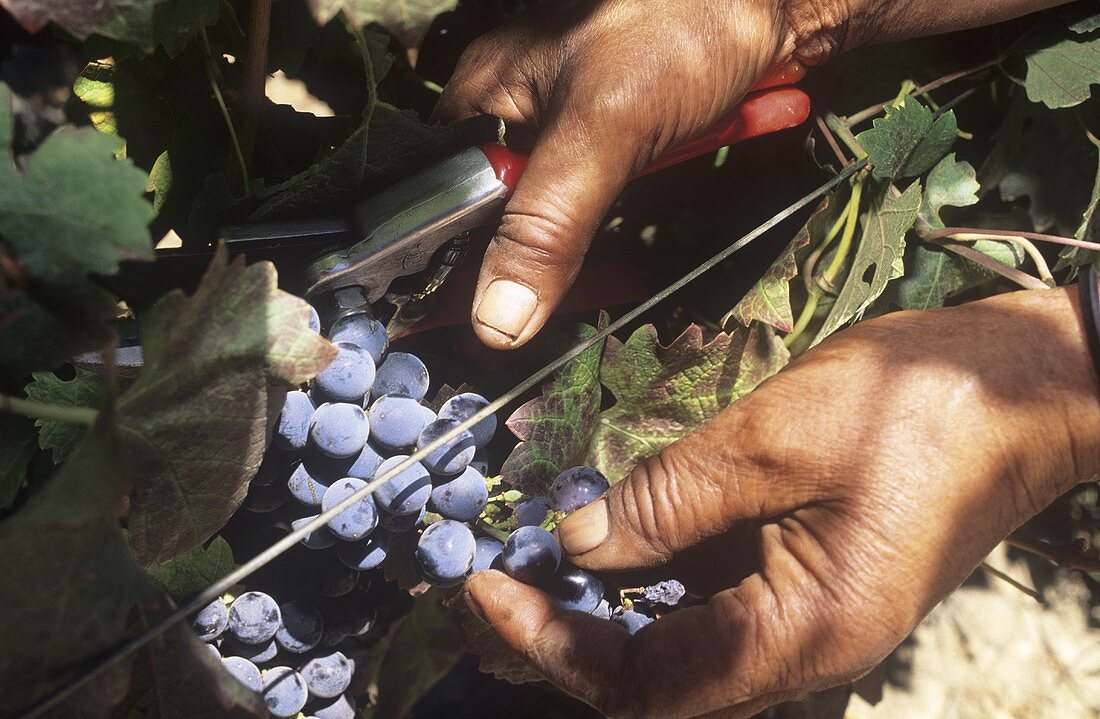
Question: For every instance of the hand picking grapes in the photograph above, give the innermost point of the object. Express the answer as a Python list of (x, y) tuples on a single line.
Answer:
[(814, 391)]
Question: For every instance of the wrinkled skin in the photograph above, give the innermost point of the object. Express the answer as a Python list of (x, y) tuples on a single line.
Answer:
[(826, 513)]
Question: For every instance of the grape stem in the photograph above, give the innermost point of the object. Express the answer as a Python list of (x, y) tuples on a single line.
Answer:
[(851, 220), (970, 234), (212, 77), (879, 108), (52, 412), (497, 534), (1013, 582), (842, 131), (830, 138), (1063, 555)]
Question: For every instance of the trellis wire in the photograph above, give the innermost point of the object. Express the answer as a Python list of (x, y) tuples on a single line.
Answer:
[(265, 557)]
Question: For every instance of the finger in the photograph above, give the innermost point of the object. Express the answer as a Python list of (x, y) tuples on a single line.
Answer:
[(572, 177), (704, 659), (694, 489)]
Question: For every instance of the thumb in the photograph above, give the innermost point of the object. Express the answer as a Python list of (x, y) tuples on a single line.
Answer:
[(694, 489), (571, 179)]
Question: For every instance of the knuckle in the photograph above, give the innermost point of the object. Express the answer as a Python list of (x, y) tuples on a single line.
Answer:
[(540, 236)]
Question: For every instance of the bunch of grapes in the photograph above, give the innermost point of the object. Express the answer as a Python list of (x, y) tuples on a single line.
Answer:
[(359, 418)]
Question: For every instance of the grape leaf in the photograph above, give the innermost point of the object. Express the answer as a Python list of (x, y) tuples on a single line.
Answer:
[(67, 210), (83, 390), (195, 570), (16, 451), (422, 647), (1086, 25), (909, 140), (408, 20), (216, 364), (949, 183), (1043, 155), (555, 428), (126, 20), (662, 393), (1063, 70), (177, 22), (878, 258), (933, 274), (769, 300)]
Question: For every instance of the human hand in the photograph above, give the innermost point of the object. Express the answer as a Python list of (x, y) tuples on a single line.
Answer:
[(824, 514), (600, 90)]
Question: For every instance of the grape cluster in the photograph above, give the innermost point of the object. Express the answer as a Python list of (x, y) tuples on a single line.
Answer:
[(358, 419)]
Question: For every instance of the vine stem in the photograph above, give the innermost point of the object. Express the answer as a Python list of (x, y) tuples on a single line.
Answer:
[(851, 219), (1023, 279), (842, 131), (831, 139), (42, 410), (212, 76), (497, 534), (975, 233), (1015, 583), (877, 109), (1063, 556), (254, 74)]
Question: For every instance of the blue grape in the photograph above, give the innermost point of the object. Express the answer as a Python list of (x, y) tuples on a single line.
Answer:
[(284, 691), (363, 331), (532, 512), (602, 610), (397, 523), (261, 499), (339, 429), (481, 463), (320, 538), (255, 653), (365, 464), (465, 405), (302, 627), (453, 456), (314, 320), (445, 552), (462, 498), (396, 422), (305, 487), (245, 672), (292, 427), (408, 491), (360, 465), (358, 520), (632, 620), (367, 553), (349, 377), (531, 555), (273, 468), (215, 652), (487, 555), (211, 621), (429, 415), (333, 579), (254, 618), (668, 592), (576, 590), (328, 676), (339, 708), (577, 487), (401, 374)]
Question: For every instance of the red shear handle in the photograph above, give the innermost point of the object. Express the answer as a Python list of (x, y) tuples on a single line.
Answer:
[(762, 112)]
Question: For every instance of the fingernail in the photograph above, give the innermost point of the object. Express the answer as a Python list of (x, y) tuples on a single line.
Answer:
[(506, 306), (585, 529), (472, 603)]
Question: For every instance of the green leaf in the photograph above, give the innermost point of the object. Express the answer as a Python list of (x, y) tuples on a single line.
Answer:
[(909, 140), (195, 570), (949, 183), (67, 210), (17, 446), (177, 22), (769, 301), (421, 648), (1062, 72), (555, 428), (932, 274), (1044, 155), (216, 366), (878, 258), (83, 390), (662, 393), (126, 20), (408, 20)]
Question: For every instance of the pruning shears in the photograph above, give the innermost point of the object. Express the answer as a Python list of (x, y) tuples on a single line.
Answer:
[(420, 228)]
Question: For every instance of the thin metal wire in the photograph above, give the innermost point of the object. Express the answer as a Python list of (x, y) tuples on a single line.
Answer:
[(276, 549)]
